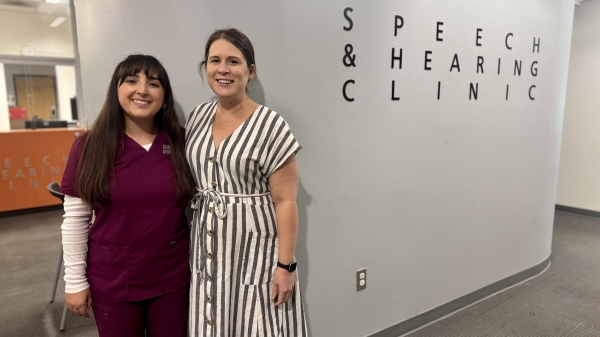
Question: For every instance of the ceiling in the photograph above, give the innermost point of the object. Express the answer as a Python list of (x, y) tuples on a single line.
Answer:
[(60, 8)]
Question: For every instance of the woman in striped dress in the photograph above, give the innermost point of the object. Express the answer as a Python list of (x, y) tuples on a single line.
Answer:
[(243, 235)]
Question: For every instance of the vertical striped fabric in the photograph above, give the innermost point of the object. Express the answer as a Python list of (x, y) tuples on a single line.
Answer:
[(233, 257)]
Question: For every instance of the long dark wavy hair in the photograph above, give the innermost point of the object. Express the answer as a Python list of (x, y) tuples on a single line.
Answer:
[(105, 140)]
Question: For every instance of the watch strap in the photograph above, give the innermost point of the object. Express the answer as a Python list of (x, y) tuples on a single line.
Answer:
[(289, 267)]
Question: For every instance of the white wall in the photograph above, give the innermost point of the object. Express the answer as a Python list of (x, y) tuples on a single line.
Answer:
[(20, 28), (4, 117), (66, 89), (436, 198), (579, 174)]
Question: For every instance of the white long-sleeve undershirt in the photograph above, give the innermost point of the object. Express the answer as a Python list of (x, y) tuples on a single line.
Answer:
[(75, 230)]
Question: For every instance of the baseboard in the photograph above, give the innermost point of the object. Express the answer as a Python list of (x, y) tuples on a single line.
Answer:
[(579, 211), (460, 303), (30, 210)]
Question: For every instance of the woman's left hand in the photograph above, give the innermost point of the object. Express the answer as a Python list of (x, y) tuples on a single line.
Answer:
[(283, 286)]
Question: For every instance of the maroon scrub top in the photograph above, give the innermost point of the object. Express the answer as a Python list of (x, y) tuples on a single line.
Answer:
[(139, 245)]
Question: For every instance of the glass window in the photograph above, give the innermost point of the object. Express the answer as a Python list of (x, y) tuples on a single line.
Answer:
[(37, 63), (36, 28)]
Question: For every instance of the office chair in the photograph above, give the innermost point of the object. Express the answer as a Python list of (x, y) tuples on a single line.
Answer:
[(54, 189)]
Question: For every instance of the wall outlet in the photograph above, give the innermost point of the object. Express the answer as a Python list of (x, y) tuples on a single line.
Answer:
[(361, 279)]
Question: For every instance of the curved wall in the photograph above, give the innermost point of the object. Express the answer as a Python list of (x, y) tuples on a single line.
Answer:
[(578, 179), (437, 198)]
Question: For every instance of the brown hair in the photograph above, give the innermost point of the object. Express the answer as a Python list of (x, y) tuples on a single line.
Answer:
[(105, 140), (238, 39)]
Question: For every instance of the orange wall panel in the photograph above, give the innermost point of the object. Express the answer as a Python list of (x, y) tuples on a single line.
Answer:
[(29, 161)]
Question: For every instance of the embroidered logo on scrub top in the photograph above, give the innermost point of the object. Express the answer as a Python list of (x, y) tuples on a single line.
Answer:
[(166, 149)]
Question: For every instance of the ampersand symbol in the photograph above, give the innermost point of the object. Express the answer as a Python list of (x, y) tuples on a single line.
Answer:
[(349, 58)]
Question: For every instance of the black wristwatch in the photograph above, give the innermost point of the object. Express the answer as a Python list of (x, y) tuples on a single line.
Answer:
[(289, 267)]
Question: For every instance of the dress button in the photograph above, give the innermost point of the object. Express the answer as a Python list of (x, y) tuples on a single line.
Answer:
[(211, 209), (209, 300), (209, 322), (208, 279), (212, 159), (209, 232), (213, 184), (209, 256)]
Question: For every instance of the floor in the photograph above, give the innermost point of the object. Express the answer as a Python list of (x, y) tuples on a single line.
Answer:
[(29, 254), (564, 301)]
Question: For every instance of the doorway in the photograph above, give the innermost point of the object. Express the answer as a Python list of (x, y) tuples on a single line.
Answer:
[(37, 94)]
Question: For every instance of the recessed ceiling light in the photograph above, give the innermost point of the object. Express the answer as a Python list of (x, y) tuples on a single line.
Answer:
[(58, 21)]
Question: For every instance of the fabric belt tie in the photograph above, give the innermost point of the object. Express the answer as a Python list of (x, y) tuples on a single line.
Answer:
[(206, 196)]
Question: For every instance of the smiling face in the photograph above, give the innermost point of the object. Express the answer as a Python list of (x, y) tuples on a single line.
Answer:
[(141, 97), (227, 71)]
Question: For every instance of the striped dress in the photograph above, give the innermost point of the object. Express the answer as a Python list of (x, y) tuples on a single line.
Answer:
[(234, 243)]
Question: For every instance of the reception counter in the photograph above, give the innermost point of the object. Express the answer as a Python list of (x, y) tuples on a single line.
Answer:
[(29, 161)]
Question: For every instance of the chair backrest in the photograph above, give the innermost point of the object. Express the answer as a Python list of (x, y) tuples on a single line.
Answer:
[(54, 189)]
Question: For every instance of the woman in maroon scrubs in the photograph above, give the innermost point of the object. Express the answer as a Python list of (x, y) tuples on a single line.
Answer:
[(131, 266)]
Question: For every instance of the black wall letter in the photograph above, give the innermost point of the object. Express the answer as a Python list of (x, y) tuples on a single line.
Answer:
[(531, 97), (439, 31), (427, 60), (394, 98), (399, 23), (534, 70), (349, 99), (507, 92), (439, 87), (498, 66), (479, 30), (506, 41), (518, 67), (473, 92), (351, 24), (536, 44), (480, 64), (397, 58), (455, 63)]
